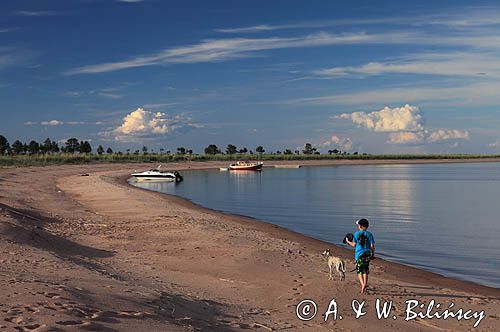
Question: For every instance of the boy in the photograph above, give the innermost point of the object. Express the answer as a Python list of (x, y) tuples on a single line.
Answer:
[(365, 250)]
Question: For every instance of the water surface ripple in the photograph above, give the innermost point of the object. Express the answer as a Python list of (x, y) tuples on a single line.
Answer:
[(439, 217)]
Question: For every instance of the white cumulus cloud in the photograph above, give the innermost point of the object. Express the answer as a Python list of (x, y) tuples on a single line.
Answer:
[(143, 123), (405, 118), (405, 125), (406, 137), (345, 144), (425, 136), (447, 134)]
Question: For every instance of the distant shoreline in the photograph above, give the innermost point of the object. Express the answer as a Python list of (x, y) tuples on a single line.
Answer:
[(82, 159)]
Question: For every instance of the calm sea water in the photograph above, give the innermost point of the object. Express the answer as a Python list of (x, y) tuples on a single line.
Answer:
[(444, 217)]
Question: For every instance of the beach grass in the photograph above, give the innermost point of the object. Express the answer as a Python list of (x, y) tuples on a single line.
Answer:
[(79, 158)]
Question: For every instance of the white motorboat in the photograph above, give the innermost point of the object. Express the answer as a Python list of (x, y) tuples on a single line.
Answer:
[(155, 174)]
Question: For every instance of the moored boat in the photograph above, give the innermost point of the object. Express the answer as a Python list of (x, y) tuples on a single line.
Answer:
[(246, 166), (156, 174)]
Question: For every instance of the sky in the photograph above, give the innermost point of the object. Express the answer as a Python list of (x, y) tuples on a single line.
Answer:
[(374, 77)]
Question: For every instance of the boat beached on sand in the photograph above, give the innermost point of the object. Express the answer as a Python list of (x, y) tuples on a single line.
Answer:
[(246, 166), (156, 174)]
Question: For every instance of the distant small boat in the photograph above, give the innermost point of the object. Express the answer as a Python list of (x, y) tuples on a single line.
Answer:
[(156, 174), (246, 166)]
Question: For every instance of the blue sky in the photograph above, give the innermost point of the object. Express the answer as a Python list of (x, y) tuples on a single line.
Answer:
[(365, 76)]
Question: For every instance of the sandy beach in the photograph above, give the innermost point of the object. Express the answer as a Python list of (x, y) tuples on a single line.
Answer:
[(93, 253)]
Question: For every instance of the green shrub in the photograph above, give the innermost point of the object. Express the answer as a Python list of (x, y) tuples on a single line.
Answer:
[(70, 158)]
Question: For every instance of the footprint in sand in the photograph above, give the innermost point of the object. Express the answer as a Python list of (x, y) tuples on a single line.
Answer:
[(49, 307), (50, 295), (14, 319), (14, 311), (106, 317), (32, 328), (300, 287), (132, 314), (31, 309), (92, 326), (70, 322)]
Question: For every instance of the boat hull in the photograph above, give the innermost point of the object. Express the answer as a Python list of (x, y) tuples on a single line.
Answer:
[(155, 175), (257, 167), (155, 178)]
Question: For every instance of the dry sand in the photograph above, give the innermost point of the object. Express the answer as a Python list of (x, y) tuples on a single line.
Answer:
[(93, 253)]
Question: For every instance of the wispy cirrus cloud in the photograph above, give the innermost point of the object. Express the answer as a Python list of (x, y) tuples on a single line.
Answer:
[(60, 123), (480, 17), (322, 24), (4, 30), (111, 92), (214, 50), (468, 19), (273, 27), (7, 60), (109, 95), (444, 64), (51, 123), (158, 105), (35, 13), (482, 93), (44, 123), (13, 56)]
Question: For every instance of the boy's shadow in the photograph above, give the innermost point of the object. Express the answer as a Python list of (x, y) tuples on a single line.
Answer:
[(408, 292)]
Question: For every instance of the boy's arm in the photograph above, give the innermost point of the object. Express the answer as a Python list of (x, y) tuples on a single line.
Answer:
[(352, 244), (372, 245)]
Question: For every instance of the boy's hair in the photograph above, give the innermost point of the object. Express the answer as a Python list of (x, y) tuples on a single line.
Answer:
[(363, 223)]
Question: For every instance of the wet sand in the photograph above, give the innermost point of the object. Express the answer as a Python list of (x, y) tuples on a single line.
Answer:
[(94, 253)]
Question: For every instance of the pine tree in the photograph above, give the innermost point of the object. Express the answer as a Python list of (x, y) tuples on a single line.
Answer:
[(4, 145)]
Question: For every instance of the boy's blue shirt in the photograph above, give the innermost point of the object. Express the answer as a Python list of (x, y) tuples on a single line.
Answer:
[(362, 249)]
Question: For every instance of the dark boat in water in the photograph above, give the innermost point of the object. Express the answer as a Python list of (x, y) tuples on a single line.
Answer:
[(246, 166)]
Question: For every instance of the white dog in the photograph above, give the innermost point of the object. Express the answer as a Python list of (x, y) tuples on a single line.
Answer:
[(334, 262)]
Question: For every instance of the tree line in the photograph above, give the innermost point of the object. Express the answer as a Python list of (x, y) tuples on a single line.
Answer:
[(233, 149), (73, 145)]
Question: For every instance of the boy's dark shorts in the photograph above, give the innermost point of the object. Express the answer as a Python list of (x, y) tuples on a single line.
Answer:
[(363, 263)]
